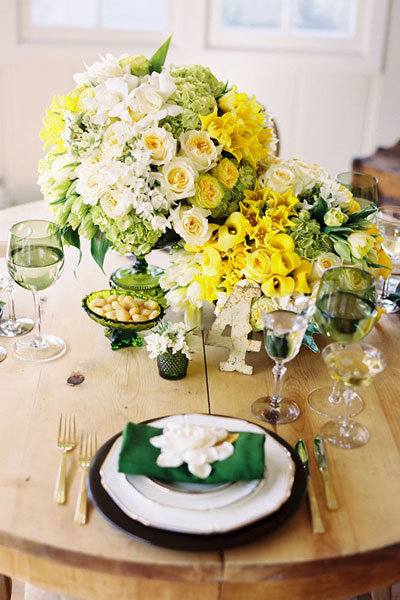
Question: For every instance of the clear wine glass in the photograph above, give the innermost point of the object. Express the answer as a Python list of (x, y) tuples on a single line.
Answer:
[(363, 186), (354, 365), (345, 312), (35, 259), (283, 334), (12, 326), (388, 220)]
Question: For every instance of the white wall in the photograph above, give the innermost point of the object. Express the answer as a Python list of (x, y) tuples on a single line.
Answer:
[(329, 108)]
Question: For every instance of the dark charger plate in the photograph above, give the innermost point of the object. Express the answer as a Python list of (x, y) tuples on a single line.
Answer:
[(187, 541)]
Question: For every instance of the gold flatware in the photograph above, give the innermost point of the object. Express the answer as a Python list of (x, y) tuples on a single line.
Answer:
[(87, 449), (320, 457), (316, 519), (66, 442)]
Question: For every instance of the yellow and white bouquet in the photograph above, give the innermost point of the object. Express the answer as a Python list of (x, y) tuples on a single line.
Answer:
[(140, 153), (295, 222)]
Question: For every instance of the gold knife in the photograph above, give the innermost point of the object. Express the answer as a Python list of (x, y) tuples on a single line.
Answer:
[(320, 457), (316, 519)]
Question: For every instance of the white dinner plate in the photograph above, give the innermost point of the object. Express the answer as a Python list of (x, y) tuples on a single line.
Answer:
[(214, 511)]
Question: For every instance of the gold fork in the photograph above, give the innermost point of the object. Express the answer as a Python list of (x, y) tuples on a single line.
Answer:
[(87, 449), (66, 442)]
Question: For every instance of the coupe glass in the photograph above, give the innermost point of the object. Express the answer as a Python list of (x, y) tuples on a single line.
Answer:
[(345, 312), (354, 365), (283, 333), (388, 220), (364, 187), (13, 326), (35, 259)]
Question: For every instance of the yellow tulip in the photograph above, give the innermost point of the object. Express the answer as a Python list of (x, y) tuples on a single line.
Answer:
[(282, 263), (281, 241), (300, 276), (277, 285), (232, 232), (211, 266)]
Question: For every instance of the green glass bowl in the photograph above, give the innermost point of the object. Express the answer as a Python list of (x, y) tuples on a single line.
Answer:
[(114, 324)]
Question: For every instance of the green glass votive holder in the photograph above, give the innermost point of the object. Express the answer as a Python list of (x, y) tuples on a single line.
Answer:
[(172, 366)]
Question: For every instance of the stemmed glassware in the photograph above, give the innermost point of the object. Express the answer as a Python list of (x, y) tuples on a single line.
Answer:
[(13, 326), (35, 259), (388, 220), (354, 365), (283, 334), (363, 186), (345, 312)]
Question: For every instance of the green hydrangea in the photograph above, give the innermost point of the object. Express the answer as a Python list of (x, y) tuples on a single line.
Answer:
[(196, 92), (307, 236), (232, 197), (126, 234)]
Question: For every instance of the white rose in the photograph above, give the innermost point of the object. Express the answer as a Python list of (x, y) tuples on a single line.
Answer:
[(91, 185), (178, 178), (199, 147), (192, 224), (306, 175), (326, 260), (279, 178), (115, 204), (161, 144)]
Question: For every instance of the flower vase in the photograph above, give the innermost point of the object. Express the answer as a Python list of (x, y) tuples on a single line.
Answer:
[(172, 366), (139, 277)]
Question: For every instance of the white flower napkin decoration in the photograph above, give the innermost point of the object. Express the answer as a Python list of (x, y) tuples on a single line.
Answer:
[(194, 445)]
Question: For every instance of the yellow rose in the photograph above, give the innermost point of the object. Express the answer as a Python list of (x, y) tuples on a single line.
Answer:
[(238, 257), (160, 143), (227, 172), (326, 260), (192, 224), (211, 265), (282, 263), (178, 178), (257, 266), (232, 232), (200, 149), (209, 192), (277, 285)]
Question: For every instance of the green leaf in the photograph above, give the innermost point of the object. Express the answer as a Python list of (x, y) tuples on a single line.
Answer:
[(59, 201), (71, 237), (342, 248), (158, 59), (99, 245), (308, 339), (319, 210), (362, 214), (377, 265)]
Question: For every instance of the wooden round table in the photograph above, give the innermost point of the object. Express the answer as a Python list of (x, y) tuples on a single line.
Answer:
[(39, 541)]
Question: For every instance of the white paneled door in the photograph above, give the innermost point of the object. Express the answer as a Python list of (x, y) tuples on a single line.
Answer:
[(323, 67)]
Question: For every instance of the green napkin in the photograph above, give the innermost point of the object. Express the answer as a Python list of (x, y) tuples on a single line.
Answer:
[(138, 457)]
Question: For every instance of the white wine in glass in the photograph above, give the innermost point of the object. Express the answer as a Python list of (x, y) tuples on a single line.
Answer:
[(35, 259), (388, 219)]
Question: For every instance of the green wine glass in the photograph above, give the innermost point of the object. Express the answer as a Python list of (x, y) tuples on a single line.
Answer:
[(35, 259), (345, 312), (363, 186)]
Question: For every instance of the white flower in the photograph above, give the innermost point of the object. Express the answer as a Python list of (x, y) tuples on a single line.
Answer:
[(63, 167), (194, 445), (199, 147), (176, 299), (192, 224), (178, 178), (111, 99), (360, 243), (279, 177), (194, 293), (115, 137), (326, 260), (334, 217), (148, 102), (115, 203), (91, 185), (160, 143), (98, 72)]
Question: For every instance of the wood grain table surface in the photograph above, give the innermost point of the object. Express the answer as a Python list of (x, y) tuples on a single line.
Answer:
[(39, 541)]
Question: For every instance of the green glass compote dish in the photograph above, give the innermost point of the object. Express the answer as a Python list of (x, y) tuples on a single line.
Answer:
[(139, 277), (35, 259), (345, 312)]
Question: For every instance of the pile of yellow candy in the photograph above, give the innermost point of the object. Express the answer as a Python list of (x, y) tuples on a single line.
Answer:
[(125, 308)]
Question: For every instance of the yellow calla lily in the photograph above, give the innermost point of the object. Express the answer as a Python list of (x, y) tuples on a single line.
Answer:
[(283, 263), (300, 277), (211, 266), (232, 232), (281, 241), (384, 260), (277, 285)]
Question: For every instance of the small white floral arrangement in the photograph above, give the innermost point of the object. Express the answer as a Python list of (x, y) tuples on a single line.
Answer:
[(194, 445), (169, 337)]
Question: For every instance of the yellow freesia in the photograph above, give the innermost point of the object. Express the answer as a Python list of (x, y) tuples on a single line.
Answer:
[(282, 242), (301, 275), (278, 285), (283, 263), (232, 232), (211, 266), (262, 232)]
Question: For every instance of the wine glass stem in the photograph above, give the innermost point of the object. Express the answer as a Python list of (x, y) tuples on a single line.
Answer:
[(344, 421), (38, 318), (335, 395), (278, 372), (11, 304), (385, 287)]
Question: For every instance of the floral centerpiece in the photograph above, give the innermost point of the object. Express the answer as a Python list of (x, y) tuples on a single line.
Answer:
[(170, 343), (295, 222), (139, 153)]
